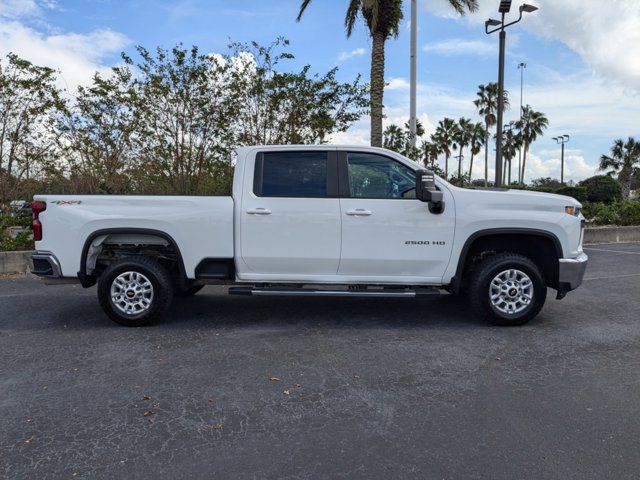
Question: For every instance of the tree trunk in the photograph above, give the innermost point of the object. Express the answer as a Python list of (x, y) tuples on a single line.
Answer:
[(446, 167), (486, 158), (471, 166), (624, 177), (524, 162), (460, 166), (377, 88)]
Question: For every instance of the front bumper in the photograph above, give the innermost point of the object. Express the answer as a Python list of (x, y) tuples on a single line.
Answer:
[(570, 273)]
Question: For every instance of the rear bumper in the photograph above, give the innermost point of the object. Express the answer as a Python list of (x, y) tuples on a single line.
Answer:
[(571, 272), (45, 264)]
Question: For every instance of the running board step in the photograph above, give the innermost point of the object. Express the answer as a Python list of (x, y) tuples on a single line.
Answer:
[(308, 292)]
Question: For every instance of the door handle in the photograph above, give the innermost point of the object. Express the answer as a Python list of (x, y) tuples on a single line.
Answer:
[(359, 212), (259, 211)]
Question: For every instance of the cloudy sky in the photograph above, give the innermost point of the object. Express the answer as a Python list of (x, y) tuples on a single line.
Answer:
[(583, 56)]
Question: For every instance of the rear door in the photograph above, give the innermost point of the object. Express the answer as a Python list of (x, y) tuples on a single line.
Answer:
[(290, 218), (386, 231)]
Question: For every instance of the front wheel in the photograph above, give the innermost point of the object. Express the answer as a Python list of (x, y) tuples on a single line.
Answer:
[(507, 289), (136, 291)]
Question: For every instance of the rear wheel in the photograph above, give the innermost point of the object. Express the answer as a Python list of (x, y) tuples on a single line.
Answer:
[(507, 289), (135, 291)]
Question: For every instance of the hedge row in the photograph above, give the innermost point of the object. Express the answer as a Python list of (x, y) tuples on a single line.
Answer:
[(625, 212)]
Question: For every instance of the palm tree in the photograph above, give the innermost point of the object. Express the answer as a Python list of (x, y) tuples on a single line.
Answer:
[(445, 134), (532, 125), (429, 151), (462, 138), (382, 18), (624, 160), (487, 106), (476, 140), (511, 143)]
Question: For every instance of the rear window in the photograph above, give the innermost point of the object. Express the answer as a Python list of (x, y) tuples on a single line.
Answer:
[(291, 174)]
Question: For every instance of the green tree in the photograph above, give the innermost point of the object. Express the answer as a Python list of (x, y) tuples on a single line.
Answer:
[(382, 18), (399, 139), (97, 134), (511, 143), (283, 107), (29, 104), (532, 125), (462, 138), (602, 188), (624, 161), (445, 138), (476, 141), (487, 105)]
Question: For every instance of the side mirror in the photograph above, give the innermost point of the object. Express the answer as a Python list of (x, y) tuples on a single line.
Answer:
[(426, 191)]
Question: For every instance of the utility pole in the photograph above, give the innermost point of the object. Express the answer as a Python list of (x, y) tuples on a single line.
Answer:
[(505, 7), (413, 73), (562, 140)]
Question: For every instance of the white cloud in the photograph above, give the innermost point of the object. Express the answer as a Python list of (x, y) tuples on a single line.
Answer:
[(76, 56), (344, 56), (460, 46), (396, 83), (604, 33)]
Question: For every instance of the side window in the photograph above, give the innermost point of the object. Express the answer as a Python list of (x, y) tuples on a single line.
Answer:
[(291, 174), (375, 176)]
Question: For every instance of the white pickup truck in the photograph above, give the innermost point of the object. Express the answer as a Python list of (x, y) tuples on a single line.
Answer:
[(317, 220)]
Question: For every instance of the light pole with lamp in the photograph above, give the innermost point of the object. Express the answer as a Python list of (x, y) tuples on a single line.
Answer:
[(521, 67), (561, 140), (505, 7), (413, 73)]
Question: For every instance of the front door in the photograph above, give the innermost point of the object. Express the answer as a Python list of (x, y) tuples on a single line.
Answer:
[(290, 216), (386, 231)]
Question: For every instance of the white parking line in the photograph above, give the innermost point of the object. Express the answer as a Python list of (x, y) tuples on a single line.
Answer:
[(612, 251), (613, 276)]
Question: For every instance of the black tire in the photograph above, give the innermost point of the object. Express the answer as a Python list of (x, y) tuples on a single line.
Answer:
[(188, 291), (158, 304), (480, 289)]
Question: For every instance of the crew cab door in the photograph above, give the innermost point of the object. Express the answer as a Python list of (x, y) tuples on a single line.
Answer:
[(290, 215), (386, 231)]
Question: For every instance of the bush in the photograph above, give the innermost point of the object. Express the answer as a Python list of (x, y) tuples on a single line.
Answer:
[(579, 193), (626, 212), (602, 188), (23, 241), (629, 212)]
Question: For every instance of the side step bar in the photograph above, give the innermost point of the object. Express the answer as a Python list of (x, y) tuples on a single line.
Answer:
[(309, 292)]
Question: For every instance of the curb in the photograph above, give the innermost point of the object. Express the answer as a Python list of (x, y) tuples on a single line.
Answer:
[(595, 235), (14, 262)]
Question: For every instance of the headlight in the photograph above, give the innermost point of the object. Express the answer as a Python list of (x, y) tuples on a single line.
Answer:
[(575, 211)]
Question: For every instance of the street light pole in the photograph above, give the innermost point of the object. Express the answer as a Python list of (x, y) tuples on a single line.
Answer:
[(562, 140), (413, 73), (505, 7), (521, 67)]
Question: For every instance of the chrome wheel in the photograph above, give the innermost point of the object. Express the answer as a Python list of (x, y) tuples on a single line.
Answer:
[(131, 293), (511, 291)]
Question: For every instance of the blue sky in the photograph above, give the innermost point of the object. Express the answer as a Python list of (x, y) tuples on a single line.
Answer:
[(583, 56)]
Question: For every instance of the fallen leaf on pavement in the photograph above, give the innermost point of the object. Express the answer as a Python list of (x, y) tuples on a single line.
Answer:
[(145, 397), (287, 391), (297, 385), (274, 379), (218, 426), (148, 413), (355, 375)]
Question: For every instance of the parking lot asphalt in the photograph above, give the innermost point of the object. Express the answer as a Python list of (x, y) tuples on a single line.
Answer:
[(237, 387)]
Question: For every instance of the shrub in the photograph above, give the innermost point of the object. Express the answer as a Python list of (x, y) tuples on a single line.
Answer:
[(22, 241), (629, 212), (579, 192), (602, 188)]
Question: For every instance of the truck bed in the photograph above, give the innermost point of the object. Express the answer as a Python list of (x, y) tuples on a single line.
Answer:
[(202, 227)]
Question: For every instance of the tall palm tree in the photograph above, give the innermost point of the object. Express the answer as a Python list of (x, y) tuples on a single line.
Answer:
[(511, 143), (476, 140), (429, 151), (382, 18), (462, 138), (487, 106), (624, 160), (532, 125), (445, 134)]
